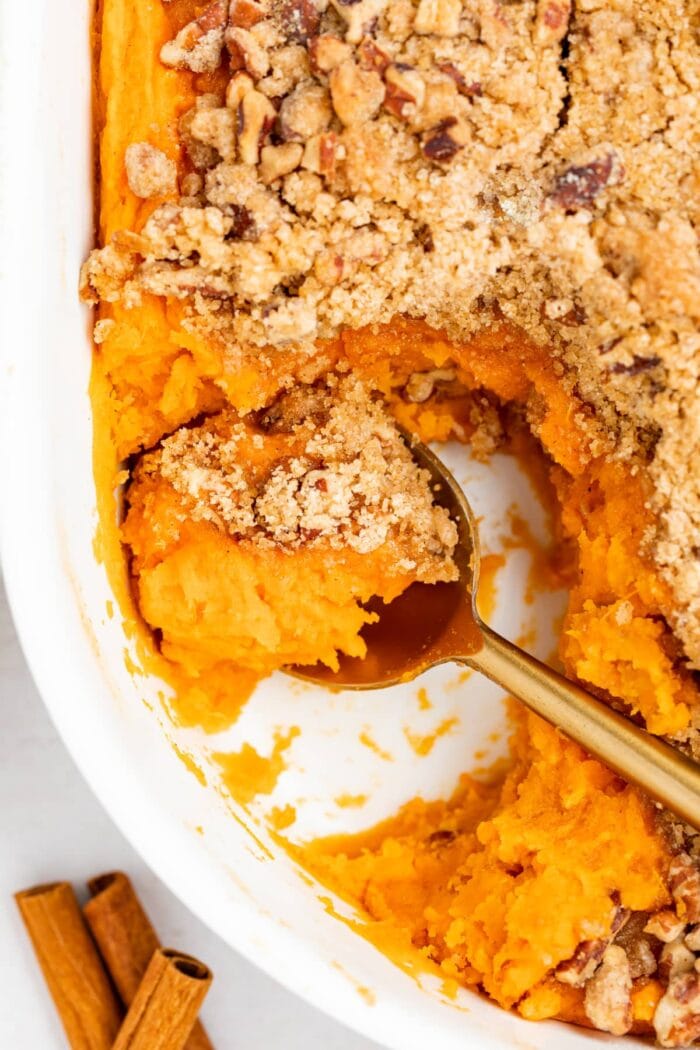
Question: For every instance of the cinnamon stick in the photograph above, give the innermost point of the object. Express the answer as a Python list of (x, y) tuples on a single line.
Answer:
[(126, 939), (165, 1007), (76, 979)]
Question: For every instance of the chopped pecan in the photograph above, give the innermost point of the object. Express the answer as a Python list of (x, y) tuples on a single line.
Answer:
[(438, 17), (327, 51), (247, 52), (470, 90), (321, 154), (357, 93), (445, 141), (199, 44), (675, 959), (359, 16), (579, 185), (677, 1017), (608, 996), (405, 88), (684, 880), (299, 20), (583, 963), (278, 161), (238, 86), (665, 925), (305, 113), (255, 119), (245, 13), (440, 104), (372, 57), (149, 172)]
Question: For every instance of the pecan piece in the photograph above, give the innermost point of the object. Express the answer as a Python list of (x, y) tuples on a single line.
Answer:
[(470, 90), (583, 963), (445, 141), (357, 93), (438, 17), (372, 57), (199, 44), (238, 86), (247, 53), (149, 172), (675, 959), (608, 996), (359, 16), (665, 925), (405, 89), (245, 13), (255, 118), (278, 161), (677, 1017), (299, 20), (321, 154), (327, 52), (579, 185), (684, 880)]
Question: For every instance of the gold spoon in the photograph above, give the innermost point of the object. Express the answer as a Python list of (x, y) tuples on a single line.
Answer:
[(431, 624)]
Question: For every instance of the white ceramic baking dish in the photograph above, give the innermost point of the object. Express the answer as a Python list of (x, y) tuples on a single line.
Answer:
[(218, 858)]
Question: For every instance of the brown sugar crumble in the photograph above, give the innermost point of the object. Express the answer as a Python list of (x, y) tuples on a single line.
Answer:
[(340, 476)]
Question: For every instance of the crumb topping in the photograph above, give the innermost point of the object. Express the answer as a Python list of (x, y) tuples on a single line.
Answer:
[(536, 161), (339, 475)]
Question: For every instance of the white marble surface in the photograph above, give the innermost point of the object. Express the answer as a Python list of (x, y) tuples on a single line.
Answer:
[(51, 827)]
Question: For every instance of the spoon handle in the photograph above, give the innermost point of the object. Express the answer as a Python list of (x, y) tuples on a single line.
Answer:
[(663, 772)]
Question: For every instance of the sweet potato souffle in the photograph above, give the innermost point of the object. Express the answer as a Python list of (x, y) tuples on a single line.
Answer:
[(477, 219)]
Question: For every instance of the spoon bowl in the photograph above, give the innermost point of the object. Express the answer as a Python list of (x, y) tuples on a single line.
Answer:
[(431, 624)]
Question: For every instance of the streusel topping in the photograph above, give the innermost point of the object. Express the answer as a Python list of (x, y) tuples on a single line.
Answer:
[(533, 160), (339, 475)]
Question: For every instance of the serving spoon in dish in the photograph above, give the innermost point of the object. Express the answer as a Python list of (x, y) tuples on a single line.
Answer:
[(431, 624)]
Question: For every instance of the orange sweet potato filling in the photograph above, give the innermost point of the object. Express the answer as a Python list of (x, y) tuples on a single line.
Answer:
[(500, 883)]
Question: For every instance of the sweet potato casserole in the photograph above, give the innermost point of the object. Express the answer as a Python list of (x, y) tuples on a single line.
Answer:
[(476, 218)]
